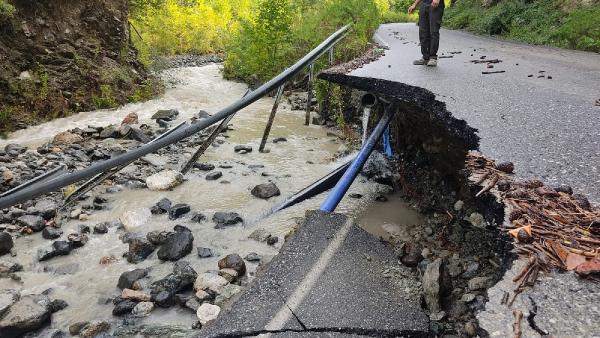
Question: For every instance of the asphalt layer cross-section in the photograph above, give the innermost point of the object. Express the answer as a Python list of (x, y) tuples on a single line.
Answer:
[(327, 281), (547, 124)]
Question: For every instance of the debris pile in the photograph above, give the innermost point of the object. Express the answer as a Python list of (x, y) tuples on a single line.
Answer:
[(552, 227)]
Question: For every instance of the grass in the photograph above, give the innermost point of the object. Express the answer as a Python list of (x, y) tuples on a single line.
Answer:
[(543, 22)]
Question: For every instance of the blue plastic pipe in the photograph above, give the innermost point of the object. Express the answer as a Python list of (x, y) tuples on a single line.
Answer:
[(345, 182)]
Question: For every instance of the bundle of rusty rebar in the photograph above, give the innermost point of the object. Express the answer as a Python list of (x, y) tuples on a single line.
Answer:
[(551, 227)]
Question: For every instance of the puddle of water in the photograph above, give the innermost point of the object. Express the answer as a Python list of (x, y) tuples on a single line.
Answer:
[(391, 223), (85, 284)]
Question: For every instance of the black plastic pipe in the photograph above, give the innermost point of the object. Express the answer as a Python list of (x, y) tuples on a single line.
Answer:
[(65, 180)]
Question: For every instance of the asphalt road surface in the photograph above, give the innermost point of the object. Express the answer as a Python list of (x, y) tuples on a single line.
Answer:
[(333, 279), (540, 113)]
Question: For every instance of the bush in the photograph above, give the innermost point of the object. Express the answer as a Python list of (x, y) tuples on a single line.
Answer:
[(6, 9), (539, 22), (249, 52)]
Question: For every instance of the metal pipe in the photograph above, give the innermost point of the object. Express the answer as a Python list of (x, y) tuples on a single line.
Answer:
[(323, 184), (368, 100), (52, 185), (263, 142), (344, 183), (311, 72), (36, 180)]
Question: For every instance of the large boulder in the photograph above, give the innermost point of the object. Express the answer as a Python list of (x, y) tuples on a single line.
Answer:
[(28, 314), (177, 246), (164, 180), (226, 218), (266, 191), (6, 243)]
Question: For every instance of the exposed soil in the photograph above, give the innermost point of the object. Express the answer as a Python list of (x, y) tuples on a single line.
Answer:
[(61, 57)]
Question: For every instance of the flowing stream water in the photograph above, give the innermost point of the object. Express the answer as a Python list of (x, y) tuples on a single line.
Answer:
[(308, 154)]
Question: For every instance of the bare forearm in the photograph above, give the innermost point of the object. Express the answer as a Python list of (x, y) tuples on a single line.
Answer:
[(416, 3)]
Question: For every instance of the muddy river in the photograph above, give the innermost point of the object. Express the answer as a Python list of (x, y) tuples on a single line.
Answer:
[(308, 154)]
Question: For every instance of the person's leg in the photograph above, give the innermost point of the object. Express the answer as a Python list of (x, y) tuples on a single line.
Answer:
[(435, 22), (424, 30)]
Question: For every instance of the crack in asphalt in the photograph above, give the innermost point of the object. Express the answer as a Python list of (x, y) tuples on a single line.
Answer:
[(531, 318), (343, 330)]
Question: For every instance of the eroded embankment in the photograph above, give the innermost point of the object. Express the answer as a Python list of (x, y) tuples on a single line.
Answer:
[(480, 212), (461, 252)]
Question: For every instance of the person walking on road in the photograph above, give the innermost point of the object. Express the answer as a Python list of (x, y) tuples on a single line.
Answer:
[(430, 21)]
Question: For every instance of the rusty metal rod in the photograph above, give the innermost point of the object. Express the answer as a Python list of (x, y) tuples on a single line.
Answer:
[(263, 142)]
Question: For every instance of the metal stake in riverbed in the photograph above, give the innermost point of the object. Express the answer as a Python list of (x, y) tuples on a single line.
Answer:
[(222, 126), (311, 71), (271, 119)]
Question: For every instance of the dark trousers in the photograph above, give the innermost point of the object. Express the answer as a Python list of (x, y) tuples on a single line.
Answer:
[(430, 21)]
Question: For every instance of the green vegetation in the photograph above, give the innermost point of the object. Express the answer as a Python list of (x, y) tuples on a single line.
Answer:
[(6, 9), (545, 22), (105, 99)]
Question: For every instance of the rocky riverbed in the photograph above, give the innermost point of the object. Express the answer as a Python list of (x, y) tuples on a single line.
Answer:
[(152, 252)]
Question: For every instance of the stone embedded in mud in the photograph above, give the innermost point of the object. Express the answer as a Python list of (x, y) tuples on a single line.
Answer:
[(178, 210), (51, 233), (230, 274), (252, 257), (164, 290), (134, 219), (158, 237), (7, 269), (279, 140), (6, 243), (242, 149), (101, 228), (27, 314), (214, 176), (226, 218), (46, 208), (142, 309), (166, 115), (192, 303), (58, 248), (210, 281), (163, 206), (127, 278), (57, 305), (503, 185), (435, 285), (123, 306), (14, 149), (411, 254), (164, 180), (94, 328), (110, 132), (204, 166), (506, 167), (478, 283), (198, 217), (77, 240), (131, 118), (564, 189), (135, 295), (35, 223), (74, 329), (207, 313), (235, 262), (477, 220), (205, 252), (229, 291), (139, 249), (83, 229), (66, 138), (265, 191), (582, 202), (203, 114)]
